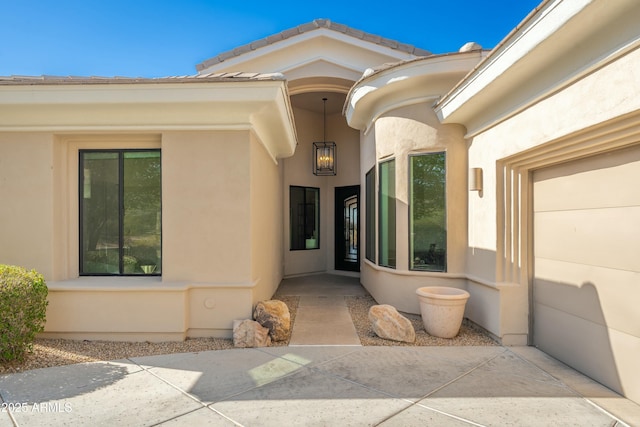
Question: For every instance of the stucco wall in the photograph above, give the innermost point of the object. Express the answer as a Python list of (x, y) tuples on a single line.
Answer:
[(26, 206), (298, 171), (499, 232), (588, 119), (207, 226), (606, 94), (137, 311), (267, 253), (222, 229), (205, 206), (397, 134)]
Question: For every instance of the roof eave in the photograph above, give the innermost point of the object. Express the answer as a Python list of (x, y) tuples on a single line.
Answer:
[(552, 47), (260, 106), (405, 83)]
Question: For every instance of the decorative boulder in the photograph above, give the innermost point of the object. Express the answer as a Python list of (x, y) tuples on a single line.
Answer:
[(274, 315), (249, 334), (387, 323)]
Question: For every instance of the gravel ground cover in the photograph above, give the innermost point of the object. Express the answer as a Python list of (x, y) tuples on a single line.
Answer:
[(470, 334), (57, 352)]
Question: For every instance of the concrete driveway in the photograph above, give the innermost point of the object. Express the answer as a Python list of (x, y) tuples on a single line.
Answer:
[(316, 386)]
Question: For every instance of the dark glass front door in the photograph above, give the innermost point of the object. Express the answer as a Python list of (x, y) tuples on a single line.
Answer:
[(347, 228)]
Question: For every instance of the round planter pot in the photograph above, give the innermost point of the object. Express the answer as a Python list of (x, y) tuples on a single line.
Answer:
[(442, 309)]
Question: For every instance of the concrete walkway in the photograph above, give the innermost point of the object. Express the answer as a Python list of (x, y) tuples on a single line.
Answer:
[(311, 385), (322, 317)]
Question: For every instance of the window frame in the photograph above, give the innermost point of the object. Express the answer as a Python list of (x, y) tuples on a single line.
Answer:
[(121, 211), (410, 221), (370, 214), (316, 222), (392, 228)]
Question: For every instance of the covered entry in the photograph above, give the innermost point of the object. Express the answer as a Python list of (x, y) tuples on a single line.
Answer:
[(586, 283)]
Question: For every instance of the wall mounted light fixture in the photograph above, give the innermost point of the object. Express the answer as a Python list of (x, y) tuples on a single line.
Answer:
[(475, 179), (324, 153)]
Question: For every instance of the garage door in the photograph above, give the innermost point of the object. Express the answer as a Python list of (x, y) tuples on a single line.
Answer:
[(586, 287)]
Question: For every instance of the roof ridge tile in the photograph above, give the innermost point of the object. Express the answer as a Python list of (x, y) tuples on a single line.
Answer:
[(207, 77), (308, 27)]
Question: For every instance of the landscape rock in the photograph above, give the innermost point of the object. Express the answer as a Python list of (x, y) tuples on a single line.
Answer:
[(387, 323), (274, 315), (249, 333)]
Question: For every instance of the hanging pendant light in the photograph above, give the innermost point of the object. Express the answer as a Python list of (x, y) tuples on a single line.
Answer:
[(324, 153)]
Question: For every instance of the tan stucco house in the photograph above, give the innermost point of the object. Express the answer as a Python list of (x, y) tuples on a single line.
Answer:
[(160, 209)]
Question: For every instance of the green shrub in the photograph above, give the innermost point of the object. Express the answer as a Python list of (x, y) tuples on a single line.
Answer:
[(23, 310)]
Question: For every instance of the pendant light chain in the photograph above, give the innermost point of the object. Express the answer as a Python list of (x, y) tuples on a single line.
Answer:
[(324, 119)]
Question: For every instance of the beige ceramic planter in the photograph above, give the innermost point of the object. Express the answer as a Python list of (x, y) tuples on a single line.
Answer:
[(442, 309)]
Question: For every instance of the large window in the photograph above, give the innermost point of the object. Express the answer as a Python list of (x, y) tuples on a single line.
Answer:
[(120, 212), (427, 217), (387, 217), (370, 212), (305, 217)]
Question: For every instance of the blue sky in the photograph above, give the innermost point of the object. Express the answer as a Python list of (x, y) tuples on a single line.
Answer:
[(154, 38)]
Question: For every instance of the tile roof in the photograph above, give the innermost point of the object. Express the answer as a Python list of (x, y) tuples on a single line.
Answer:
[(311, 26), (209, 77), (386, 66)]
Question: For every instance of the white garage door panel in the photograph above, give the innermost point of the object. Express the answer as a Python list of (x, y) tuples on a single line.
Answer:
[(586, 281), (602, 237), (626, 354), (597, 182), (599, 295), (561, 335)]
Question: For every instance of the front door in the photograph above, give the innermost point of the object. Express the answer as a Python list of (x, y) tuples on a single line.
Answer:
[(347, 228)]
